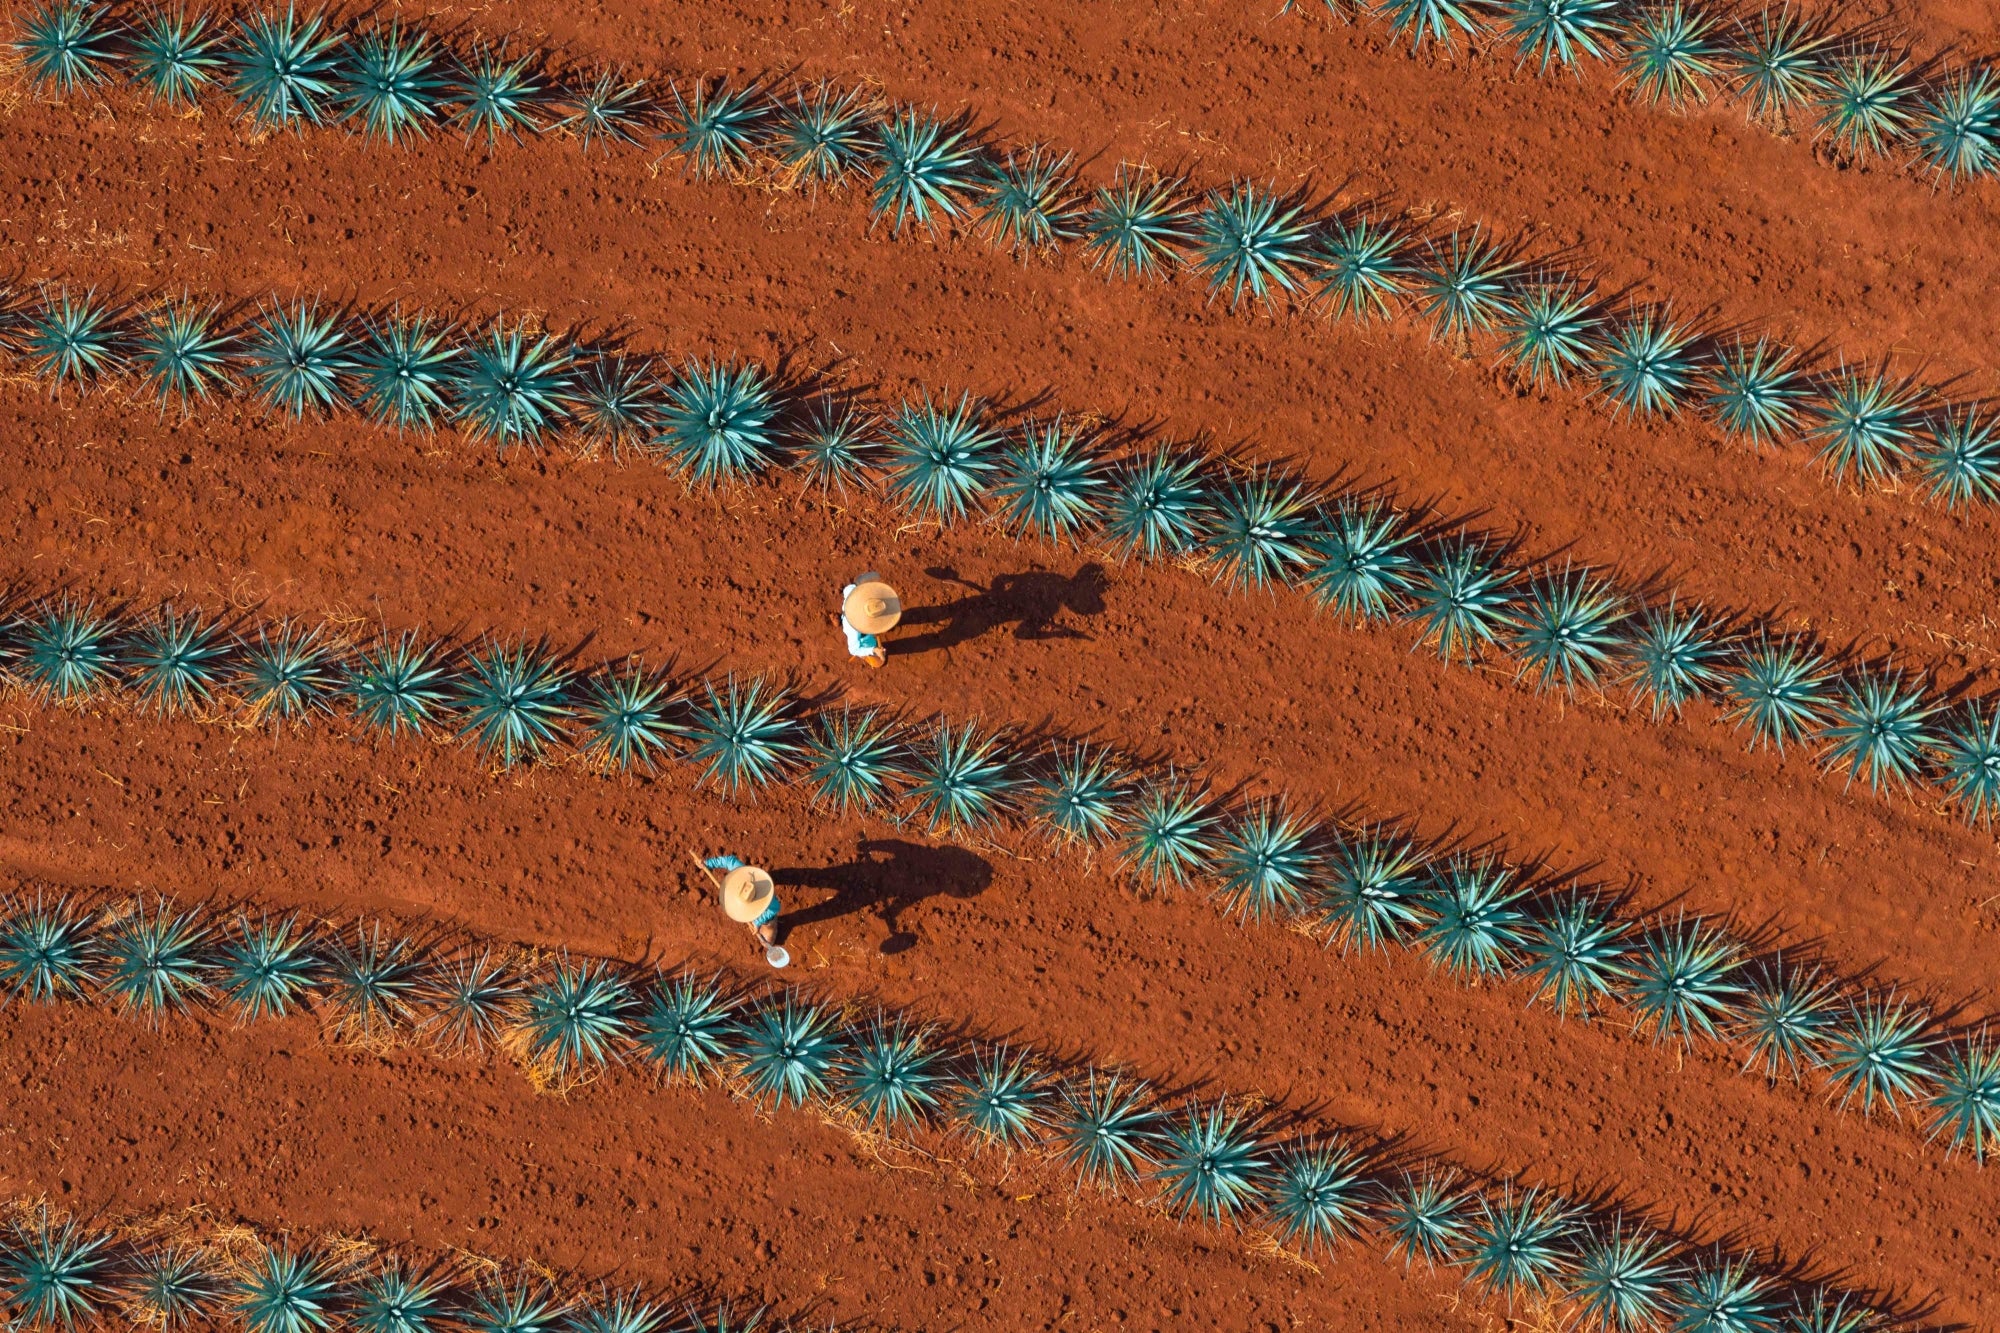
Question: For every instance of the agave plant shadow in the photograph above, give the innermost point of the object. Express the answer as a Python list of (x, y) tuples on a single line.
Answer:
[(1034, 602), (888, 877)]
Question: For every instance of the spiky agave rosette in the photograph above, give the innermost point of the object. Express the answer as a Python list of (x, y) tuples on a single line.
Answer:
[(566, 1019)]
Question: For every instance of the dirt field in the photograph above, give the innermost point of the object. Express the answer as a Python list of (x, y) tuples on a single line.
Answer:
[(230, 509)]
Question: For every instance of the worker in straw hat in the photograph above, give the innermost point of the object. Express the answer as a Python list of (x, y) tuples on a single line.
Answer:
[(749, 895), (869, 608)]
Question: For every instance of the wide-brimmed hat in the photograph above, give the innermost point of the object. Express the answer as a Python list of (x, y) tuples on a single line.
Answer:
[(872, 608), (746, 892)]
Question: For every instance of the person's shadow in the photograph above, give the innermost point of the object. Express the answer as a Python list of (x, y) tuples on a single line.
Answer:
[(1031, 602), (888, 875)]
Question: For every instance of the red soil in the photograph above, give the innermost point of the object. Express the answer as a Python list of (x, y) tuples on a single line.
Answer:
[(344, 519)]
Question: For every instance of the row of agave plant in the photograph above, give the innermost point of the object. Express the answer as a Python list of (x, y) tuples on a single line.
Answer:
[(923, 172), (1785, 67), (568, 1019), (60, 1274), (1367, 887), (724, 422)]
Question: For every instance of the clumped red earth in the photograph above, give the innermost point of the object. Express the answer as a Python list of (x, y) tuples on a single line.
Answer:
[(341, 520)]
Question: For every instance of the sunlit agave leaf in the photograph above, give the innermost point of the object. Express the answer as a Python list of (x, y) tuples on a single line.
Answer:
[(497, 96), (742, 737), (66, 652), (1049, 483), (1969, 761), (393, 86), (1878, 729), (1463, 286), (65, 45), (182, 354), (1957, 129), (822, 135), (392, 1301), (510, 388), (1961, 464), (939, 457), (789, 1051), (1210, 1166), (1359, 267), (1459, 600), (372, 983), (1550, 333), (1867, 426), (1786, 1015), (1676, 657), (56, 1275), (1779, 690), (1881, 1052), (473, 1000), (1249, 241), (174, 56), (624, 720), (611, 111), (1441, 21), (1264, 861), (1965, 1100), (1623, 1280), (1158, 508), (1260, 529), (398, 686), (173, 1289), (1648, 366), (962, 782), (1682, 980), (1519, 1246), (1000, 1099), (714, 130), (46, 951), (285, 1291), (1868, 102), (687, 1028), (1724, 1295), (1561, 32), (404, 369), (266, 968), (891, 1075), (1568, 631), (175, 663), (1317, 1196), (1137, 226), (512, 700), (283, 73), (1361, 566), (72, 339), (1755, 393), (288, 675), (1475, 926), (1373, 892), (1104, 1130), (1169, 835), (1780, 65), (717, 422), (1424, 1216), (576, 1020), (1029, 202), (296, 355), (156, 963), (925, 171), (1084, 798), (1575, 955), (1670, 55)]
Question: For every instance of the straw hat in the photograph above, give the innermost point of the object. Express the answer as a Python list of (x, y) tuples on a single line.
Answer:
[(746, 892), (872, 608)]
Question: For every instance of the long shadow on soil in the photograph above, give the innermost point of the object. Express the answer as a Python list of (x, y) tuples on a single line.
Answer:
[(887, 876), (1032, 603)]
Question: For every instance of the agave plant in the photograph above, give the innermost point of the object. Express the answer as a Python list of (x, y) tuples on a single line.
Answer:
[(1260, 529), (1623, 1280), (1459, 600), (1866, 105), (156, 963), (1818, 1314), (511, 389), (403, 371), (1675, 657), (514, 1307), (173, 1289), (372, 984), (1048, 483), (1785, 1018), (1084, 798), (1359, 565), (56, 1275), (1682, 980), (714, 131), (962, 782), (1429, 20), (1724, 1295), (73, 339), (1248, 240), (1359, 267), (474, 1001), (1169, 831), (1264, 862), (512, 700), (1561, 31), (1567, 631), (296, 356), (1374, 892), (1780, 64), (789, 1051), (182, 354), (391, 1301), (1779, 691), (1965, 1103), (939, 457), (1755, 394), (1550, 332), (1880, 1053), (717, 421), (1423, 1216), (925, 170), (1029, 203), (891, 1075), (173, 56), (1518, 1246), (626, 1312), (1464, 286), (66, 652), (1104, 1131), (853, 760), (45, 952), (1647, 367), (266, 968), (616, 403), (576, 1019), (498, 96), (1969, 762), (284, 1291), (283, 73), (1574, 955), (834, 445), (610, 111), (65, 45), (1474, 925), (289, 675), (1000, 1100), (397, 686), (1211, 1165), (393, 87), (742, 738), (821, 136), (1317, 1196), (1158, 508), (1867, 426), (686, 1029), (623, 713), (1137, 226), (1669, 54), (1878, 729), (1957, 129), (1961, 464)]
